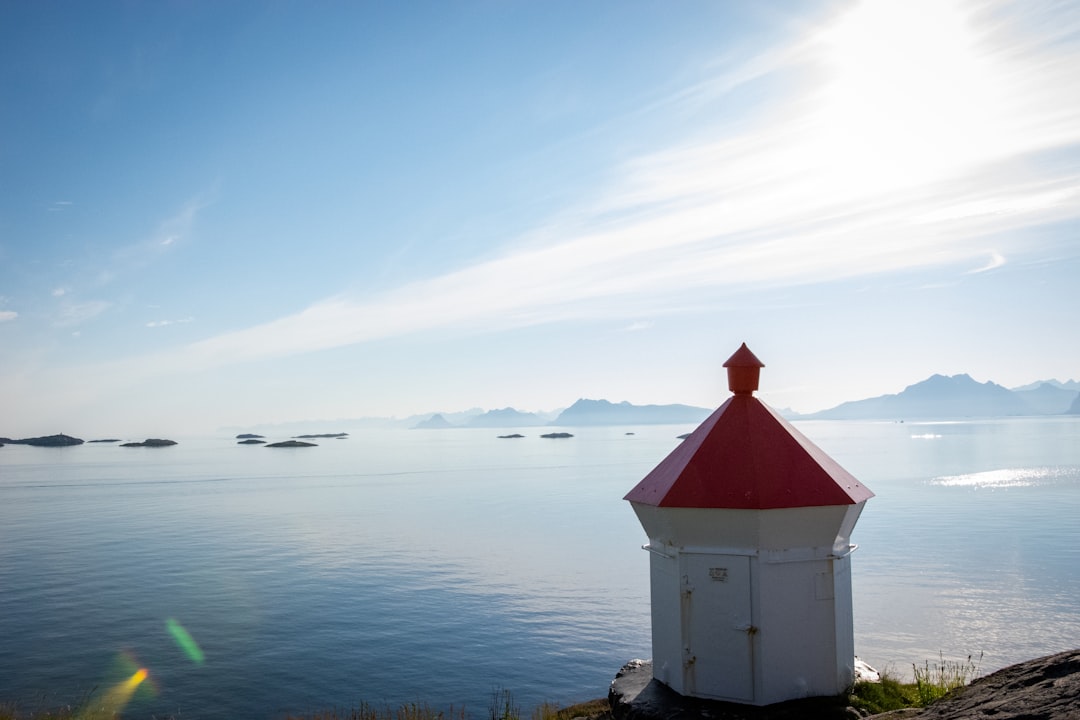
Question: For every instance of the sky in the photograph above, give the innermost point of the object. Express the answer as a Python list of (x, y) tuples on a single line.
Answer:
[(225, 214)]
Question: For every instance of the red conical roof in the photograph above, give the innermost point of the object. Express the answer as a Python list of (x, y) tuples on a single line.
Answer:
[(745, 456)]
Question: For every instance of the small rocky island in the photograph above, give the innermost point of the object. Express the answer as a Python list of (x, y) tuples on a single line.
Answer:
[(511, 436), (338, 436), (291, 443), (150, 442), (60, 440), (557, 435)]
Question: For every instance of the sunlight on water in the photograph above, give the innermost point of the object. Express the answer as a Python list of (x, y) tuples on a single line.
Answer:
[(1009, 477)]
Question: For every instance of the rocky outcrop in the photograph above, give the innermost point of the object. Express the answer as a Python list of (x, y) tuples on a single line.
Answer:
[(557, 435), (249, 436), (251, 441), (636, 695), (291, 443), (511, 436), (337, 436), (60, 440), (1047, 688), (150, 442)]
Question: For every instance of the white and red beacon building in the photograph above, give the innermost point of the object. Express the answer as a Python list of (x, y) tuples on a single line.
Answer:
[(749, 526)]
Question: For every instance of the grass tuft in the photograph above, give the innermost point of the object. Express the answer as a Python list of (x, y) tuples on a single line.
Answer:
[(879, 697), (934, 680)]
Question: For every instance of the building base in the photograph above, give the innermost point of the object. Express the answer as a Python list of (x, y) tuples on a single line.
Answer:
[(635, 695)]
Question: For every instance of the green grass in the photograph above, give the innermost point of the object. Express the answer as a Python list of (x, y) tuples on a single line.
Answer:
[(889, 694), (935, 680), (932, 682), (502, 707)]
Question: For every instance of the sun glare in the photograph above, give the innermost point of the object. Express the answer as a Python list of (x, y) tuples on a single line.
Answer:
[(908, 99)]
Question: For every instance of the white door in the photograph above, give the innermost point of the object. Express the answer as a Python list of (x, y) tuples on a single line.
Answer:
[(719, 635)]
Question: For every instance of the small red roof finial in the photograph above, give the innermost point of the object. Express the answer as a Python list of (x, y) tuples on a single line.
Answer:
[(743, 370)]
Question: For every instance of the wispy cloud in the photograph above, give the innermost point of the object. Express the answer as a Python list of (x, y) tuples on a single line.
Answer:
[(995, 261), (7, 315), (79, 313), (170, 231), (166, 323), (891, 160)]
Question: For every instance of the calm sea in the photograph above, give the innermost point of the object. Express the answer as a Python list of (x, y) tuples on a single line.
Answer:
[(442, 566)]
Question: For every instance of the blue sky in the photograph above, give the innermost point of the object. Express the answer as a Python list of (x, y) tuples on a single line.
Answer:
[(218, 214)]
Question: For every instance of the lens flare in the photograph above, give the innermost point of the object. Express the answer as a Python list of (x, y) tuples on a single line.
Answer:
[(115, 699), (185, 641)]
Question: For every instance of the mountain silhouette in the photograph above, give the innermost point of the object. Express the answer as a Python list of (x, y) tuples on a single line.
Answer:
[(956, 396)]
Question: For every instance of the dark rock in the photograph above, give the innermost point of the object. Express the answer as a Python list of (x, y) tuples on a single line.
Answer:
[(291, 443), (557, 435), (248, 436), (636, 695), (106, 440), (1045, 688), (150, 442), (46, 441), (513, 435), (322, 435), (252, 441)]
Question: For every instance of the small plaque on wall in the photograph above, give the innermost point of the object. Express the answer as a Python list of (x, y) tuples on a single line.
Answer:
[(718, 574)]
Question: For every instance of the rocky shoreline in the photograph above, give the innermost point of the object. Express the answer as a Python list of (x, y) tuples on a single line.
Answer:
[(1046, 688)]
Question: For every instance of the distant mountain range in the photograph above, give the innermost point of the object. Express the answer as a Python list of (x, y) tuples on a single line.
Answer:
[(601, 412), (582, 413), (937, 397), (959, 396)]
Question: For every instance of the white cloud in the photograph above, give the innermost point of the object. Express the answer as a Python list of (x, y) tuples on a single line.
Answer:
[(165, 323), (995, 261), (59, 292), (175, 228), (135, 256), (78, 313), (828, 186), (6, 315)]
